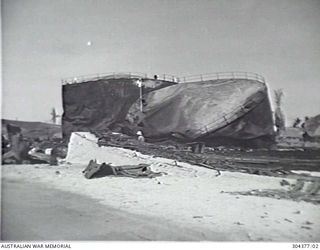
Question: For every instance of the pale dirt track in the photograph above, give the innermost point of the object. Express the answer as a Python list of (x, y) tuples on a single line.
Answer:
[(189, 203), (34, 212)]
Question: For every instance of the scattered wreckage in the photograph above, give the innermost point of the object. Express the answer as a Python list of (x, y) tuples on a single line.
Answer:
[(96, 170), (17, 149)]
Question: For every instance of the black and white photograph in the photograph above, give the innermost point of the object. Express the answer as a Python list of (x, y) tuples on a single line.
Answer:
[(160, 120)]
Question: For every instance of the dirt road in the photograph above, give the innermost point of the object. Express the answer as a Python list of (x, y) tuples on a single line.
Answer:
[(34, 212)]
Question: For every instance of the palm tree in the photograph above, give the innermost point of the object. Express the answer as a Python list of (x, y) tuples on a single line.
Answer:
[(54, 116), (279, 115)]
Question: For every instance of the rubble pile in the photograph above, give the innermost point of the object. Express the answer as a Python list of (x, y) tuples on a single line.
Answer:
[(18, 149), (260, 162)]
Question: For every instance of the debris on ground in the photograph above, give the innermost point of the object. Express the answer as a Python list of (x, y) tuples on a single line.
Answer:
[(197, 217), (288, 220), (19, 149), (284, 183), (96, 170), (259, 162), (308, 223), (308, 191), (239, 223)]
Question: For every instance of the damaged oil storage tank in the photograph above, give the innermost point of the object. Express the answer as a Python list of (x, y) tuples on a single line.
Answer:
[(101, 102), (218, 109)]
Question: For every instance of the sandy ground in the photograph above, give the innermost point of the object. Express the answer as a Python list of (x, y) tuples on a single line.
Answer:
[(31, 211), (189, 197)]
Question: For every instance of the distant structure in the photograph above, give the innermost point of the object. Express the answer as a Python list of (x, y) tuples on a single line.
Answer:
[(54, 116), (296, 122)]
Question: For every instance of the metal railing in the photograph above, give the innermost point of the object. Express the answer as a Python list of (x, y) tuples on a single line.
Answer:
[(117, 75), (99, 76), (165, 77), (223, 75)]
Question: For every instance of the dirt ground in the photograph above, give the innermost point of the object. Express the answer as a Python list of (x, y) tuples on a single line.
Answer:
[(31, 211), (186, 203)]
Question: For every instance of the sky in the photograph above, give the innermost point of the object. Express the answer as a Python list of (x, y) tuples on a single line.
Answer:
[(44, 41)]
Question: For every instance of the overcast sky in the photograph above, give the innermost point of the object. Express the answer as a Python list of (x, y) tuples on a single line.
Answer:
[(46, 40)]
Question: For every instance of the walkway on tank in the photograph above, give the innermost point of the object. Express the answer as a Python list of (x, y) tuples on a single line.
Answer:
[(165, 77)]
